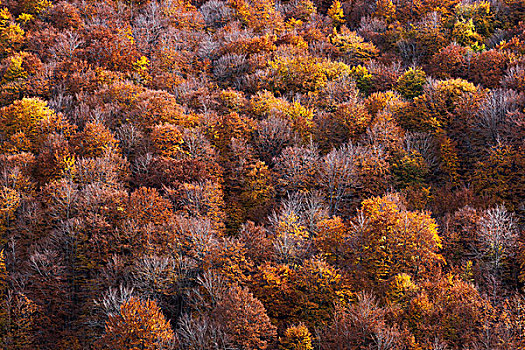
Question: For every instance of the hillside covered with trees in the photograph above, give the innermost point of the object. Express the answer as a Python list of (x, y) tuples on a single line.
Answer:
[(260, 174)]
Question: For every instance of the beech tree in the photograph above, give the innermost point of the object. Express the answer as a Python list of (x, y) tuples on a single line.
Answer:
[(361, 325), (138, 324), (296, 338), (390, 238), (223, 174), (497, 236)]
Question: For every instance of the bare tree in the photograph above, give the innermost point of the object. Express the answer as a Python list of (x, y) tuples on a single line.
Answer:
[(424, 144), (497, 236), (339, 176), (113, 298), (216, 13), (492, 117), (271, 136), (148, 26), (298, 168), (66, 45)]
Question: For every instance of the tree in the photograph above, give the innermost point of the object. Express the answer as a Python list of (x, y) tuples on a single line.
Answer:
[(352, 47), (410, 84), (303, 11), (464, 33), (450, 62), (259, 15), (56, 158), (457, 306), (383, 76), (271, 136), (497, 118), (392, 240), (258, 190), (515, 78), (291, 236), (111, 48), (14, 71), (460, 235), (511, 325), (373, 168), (335, 12), (295, 115), (244, 319), (482, 15), (488, 67), (94, 140), (10, 200), (435, 109), (166, 140), (12, 37), (227, 314), (33, 7), (139, 324), (385, 10), (304, 73), (146, 206), (25, 116), (410, 169), (65, 16), (361, 325), (497, 236), (499, 174), (4, 316), (204, 200), (17, 315), (296, 338), (332, 236), (306, 293), (340, 177), (297, 169), (257, 243), (422, 39), (347, 123)]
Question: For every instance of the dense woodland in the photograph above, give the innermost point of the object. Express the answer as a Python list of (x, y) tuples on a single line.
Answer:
[(260, 174)]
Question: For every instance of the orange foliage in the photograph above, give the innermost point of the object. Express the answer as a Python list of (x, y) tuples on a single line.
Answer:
[(138, 325)]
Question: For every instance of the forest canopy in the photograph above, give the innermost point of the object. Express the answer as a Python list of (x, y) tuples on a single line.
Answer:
[(262, 174)]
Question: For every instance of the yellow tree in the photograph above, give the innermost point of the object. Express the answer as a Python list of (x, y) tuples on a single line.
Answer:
[(335, 12), (24, 116), (352, 47), (12, 36), (27, 123), (258, 190), (296, 338), (385, 10), (393, 240)]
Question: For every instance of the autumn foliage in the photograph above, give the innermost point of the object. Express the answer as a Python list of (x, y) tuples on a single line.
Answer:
[(260, 174)]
